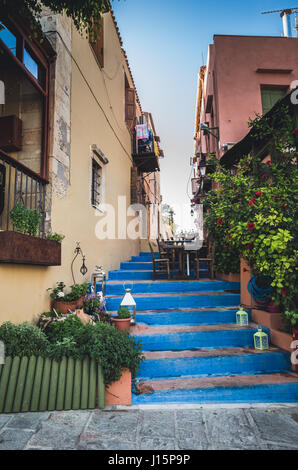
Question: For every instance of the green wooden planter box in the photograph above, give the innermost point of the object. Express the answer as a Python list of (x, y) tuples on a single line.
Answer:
[(38, 384)]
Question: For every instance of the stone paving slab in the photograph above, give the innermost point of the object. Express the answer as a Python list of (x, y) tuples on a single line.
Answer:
[(180, 428)]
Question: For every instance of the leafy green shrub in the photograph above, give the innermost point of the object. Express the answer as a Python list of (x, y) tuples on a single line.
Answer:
[(58, 330), (124, 313), (76, 292), (23, 340), (253, 213), (25, 220), (114, 350), (55, 237)]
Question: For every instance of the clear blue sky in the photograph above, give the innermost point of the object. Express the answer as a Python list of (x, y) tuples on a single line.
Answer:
[(166, 42)]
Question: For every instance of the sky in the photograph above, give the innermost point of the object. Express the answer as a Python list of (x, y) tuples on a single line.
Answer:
[(166, 43)]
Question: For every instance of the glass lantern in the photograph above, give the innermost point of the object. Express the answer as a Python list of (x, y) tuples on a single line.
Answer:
[(129, 302), (261, 341), (99, 276), (242, 317)]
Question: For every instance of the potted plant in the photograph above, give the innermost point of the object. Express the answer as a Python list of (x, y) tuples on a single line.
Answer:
[(23, 244), (64, 302), (94, 305), (122, 321), (79, 291)]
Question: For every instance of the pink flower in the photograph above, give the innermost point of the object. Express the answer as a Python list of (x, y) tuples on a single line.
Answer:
[(251, 226)]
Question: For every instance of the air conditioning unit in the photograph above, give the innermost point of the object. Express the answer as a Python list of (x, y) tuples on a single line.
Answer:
[(228, 146)]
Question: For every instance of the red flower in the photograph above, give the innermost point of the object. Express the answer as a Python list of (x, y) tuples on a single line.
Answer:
[(249, 246), (252, 202), (219, 222), (264, 176), (269, 163), (259, 193), (284, 291), (251, 226), (295, 131)]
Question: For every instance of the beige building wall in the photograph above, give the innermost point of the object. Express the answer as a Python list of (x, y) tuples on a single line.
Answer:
[(95, 117)]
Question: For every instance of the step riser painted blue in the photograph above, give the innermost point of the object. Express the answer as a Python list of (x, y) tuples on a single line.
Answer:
[(215, 366), (172, 287), (192, 301), (198, 340), (129, 266), (189, 318), (143, 276), (272, 393)]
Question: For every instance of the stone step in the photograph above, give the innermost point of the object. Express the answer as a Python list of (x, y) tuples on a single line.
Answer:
[(123, 275), (212, 363), (174, 287), (188, 317), (154, 302), (267, 388), (198, 337)]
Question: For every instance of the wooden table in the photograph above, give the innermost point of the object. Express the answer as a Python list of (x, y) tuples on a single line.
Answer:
[(180, 251)]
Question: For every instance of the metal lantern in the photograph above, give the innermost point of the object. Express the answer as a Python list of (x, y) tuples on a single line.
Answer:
[(99, 276), (261, 340), (129, 302), (242, 317)]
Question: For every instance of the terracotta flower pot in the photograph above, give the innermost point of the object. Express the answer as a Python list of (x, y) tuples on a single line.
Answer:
[(64, 306), (121, 323)]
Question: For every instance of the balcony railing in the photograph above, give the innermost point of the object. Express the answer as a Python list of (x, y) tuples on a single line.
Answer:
[(19, 184)]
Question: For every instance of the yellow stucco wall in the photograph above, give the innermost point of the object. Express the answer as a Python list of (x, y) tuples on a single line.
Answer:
[(23, 288)]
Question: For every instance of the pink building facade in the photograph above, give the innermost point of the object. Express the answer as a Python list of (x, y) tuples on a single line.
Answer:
[(244, 76)]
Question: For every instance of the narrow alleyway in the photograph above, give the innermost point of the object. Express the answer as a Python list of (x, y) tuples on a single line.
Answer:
[(195, 352)]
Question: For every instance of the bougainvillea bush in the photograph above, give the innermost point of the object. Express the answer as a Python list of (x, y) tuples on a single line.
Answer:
[(253, 213)]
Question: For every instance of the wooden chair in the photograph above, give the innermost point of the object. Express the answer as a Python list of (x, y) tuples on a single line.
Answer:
[(158, 264), (171, 254), (209, 259), (161, 249)]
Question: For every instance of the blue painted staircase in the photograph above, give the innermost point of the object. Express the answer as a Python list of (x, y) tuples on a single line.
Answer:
[(195, 353)]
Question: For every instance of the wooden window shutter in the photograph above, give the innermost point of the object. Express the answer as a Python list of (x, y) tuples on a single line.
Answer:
[(130, 106)]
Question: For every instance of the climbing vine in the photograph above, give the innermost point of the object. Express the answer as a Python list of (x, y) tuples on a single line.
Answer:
[(253, 213), (85, 15)]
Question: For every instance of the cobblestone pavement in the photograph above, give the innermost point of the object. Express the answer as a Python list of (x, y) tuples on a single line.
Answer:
[(178, 428)]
